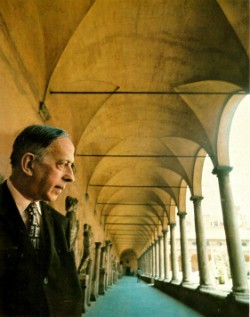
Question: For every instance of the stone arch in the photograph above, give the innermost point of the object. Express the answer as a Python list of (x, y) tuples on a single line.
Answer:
[(224, 129)]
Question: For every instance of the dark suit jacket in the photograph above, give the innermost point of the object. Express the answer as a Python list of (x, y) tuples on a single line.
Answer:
[(31, 284)]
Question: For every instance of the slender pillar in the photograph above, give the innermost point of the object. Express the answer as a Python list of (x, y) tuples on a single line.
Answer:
[(146, 262), (102, 275), (115, 274), (185, 262), (166, 254), (120, 270), (156, 258), (95, 284), (107, 280), (143, 262), (153, 259), (110, 281), (235, 252), (173, 253), (201, 242), (161, 258), (91, 269), (140, 265), (149, 259)]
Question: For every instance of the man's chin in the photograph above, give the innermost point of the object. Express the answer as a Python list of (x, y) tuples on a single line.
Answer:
[(52, 197)]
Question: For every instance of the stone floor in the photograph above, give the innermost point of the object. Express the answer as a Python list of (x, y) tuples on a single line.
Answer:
[(127, 298)]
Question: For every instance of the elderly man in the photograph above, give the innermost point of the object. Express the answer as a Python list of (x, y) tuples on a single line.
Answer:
[(38, 275)]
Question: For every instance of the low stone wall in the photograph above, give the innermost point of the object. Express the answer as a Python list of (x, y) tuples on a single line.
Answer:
[(207, 303)]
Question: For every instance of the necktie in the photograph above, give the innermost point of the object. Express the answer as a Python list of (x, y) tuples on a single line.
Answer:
[(33, 225)]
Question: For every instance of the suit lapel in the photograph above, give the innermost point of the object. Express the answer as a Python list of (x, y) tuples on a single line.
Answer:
[(48, 232), (12, 220)]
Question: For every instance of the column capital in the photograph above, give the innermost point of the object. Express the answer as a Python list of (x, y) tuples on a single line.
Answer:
[(182, 214), (172, 224), (107, 242), (164, 231), (97, 245), (222, 170), (196, 198)]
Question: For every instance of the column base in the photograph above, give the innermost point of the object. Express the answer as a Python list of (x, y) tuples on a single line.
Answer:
[(93, 298), (167, 280), (239, 296), (204, 288), (175, 282), (187, 283)]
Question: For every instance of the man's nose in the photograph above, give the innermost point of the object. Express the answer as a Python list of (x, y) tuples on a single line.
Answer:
[(69, 176)]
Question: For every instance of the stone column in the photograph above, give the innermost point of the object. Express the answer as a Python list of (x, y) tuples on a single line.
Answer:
[(153, 259), (166, 254), (161, 258), (91, 269), (84, 281), (120, 270), (150, 262), (235, 252), (112, 269), (102, 274), (116, 271), (110, 259), (95, 284), (111, 265), (139, 262), (185, 261), (144, 262), (201, 242), (107, 277), (173, 254), (156, 258)]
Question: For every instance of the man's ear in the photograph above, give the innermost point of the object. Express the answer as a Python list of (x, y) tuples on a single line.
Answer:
[(27, 163)]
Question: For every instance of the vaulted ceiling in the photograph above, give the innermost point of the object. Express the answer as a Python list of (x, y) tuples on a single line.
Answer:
[(146, 88)]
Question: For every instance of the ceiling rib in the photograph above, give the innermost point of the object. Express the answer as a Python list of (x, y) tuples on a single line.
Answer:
[(130, 242), (132, 186), (135, 216), (128, 204), (239, 92), (139, 156), (141, 232), (132, 224)]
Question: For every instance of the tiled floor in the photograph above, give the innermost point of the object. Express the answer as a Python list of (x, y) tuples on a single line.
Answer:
[(127, 298)]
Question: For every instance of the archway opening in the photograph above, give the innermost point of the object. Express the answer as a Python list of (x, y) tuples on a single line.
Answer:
[(128, 260), (239, 153)]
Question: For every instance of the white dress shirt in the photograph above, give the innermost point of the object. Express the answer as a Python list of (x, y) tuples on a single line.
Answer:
[(22, 203)]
